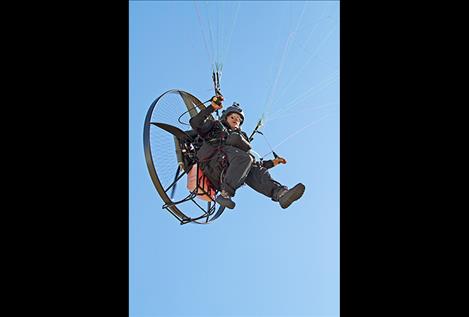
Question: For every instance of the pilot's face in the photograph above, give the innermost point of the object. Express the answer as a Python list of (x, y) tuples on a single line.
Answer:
[(234, 120)]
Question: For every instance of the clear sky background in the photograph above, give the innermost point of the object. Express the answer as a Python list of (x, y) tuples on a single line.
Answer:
[(280, 60)]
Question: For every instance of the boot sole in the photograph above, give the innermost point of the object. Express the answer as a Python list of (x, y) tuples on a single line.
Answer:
[(226, 205), (295, 195)]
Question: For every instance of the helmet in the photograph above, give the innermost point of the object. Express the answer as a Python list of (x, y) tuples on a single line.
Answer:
[(234, 108)]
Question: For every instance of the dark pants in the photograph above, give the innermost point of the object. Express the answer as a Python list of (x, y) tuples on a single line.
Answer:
[(239, 168)]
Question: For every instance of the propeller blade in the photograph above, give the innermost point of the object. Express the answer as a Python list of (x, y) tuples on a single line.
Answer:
[(178, 133)]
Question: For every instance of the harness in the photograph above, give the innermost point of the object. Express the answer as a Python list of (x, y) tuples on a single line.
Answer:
[(217, 138), (218, 134)]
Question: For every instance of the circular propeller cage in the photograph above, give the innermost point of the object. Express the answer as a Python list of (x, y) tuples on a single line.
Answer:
[(167, 156)]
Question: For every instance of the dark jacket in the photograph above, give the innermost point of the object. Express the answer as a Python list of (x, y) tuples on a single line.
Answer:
[(217, 134)]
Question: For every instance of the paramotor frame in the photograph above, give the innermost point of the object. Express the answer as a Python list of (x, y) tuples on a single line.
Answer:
[(161, 129)]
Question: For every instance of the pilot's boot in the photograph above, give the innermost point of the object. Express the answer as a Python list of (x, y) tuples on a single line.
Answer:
[(287, 197), (224, 199)]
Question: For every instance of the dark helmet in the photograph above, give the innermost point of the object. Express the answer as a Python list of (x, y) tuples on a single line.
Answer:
[(234, 108)]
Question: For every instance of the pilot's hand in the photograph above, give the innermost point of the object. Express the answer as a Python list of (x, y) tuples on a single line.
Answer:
[(217, 102), (279, 160)]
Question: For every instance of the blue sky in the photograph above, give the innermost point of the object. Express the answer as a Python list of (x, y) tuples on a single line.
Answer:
[(280, 60)]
